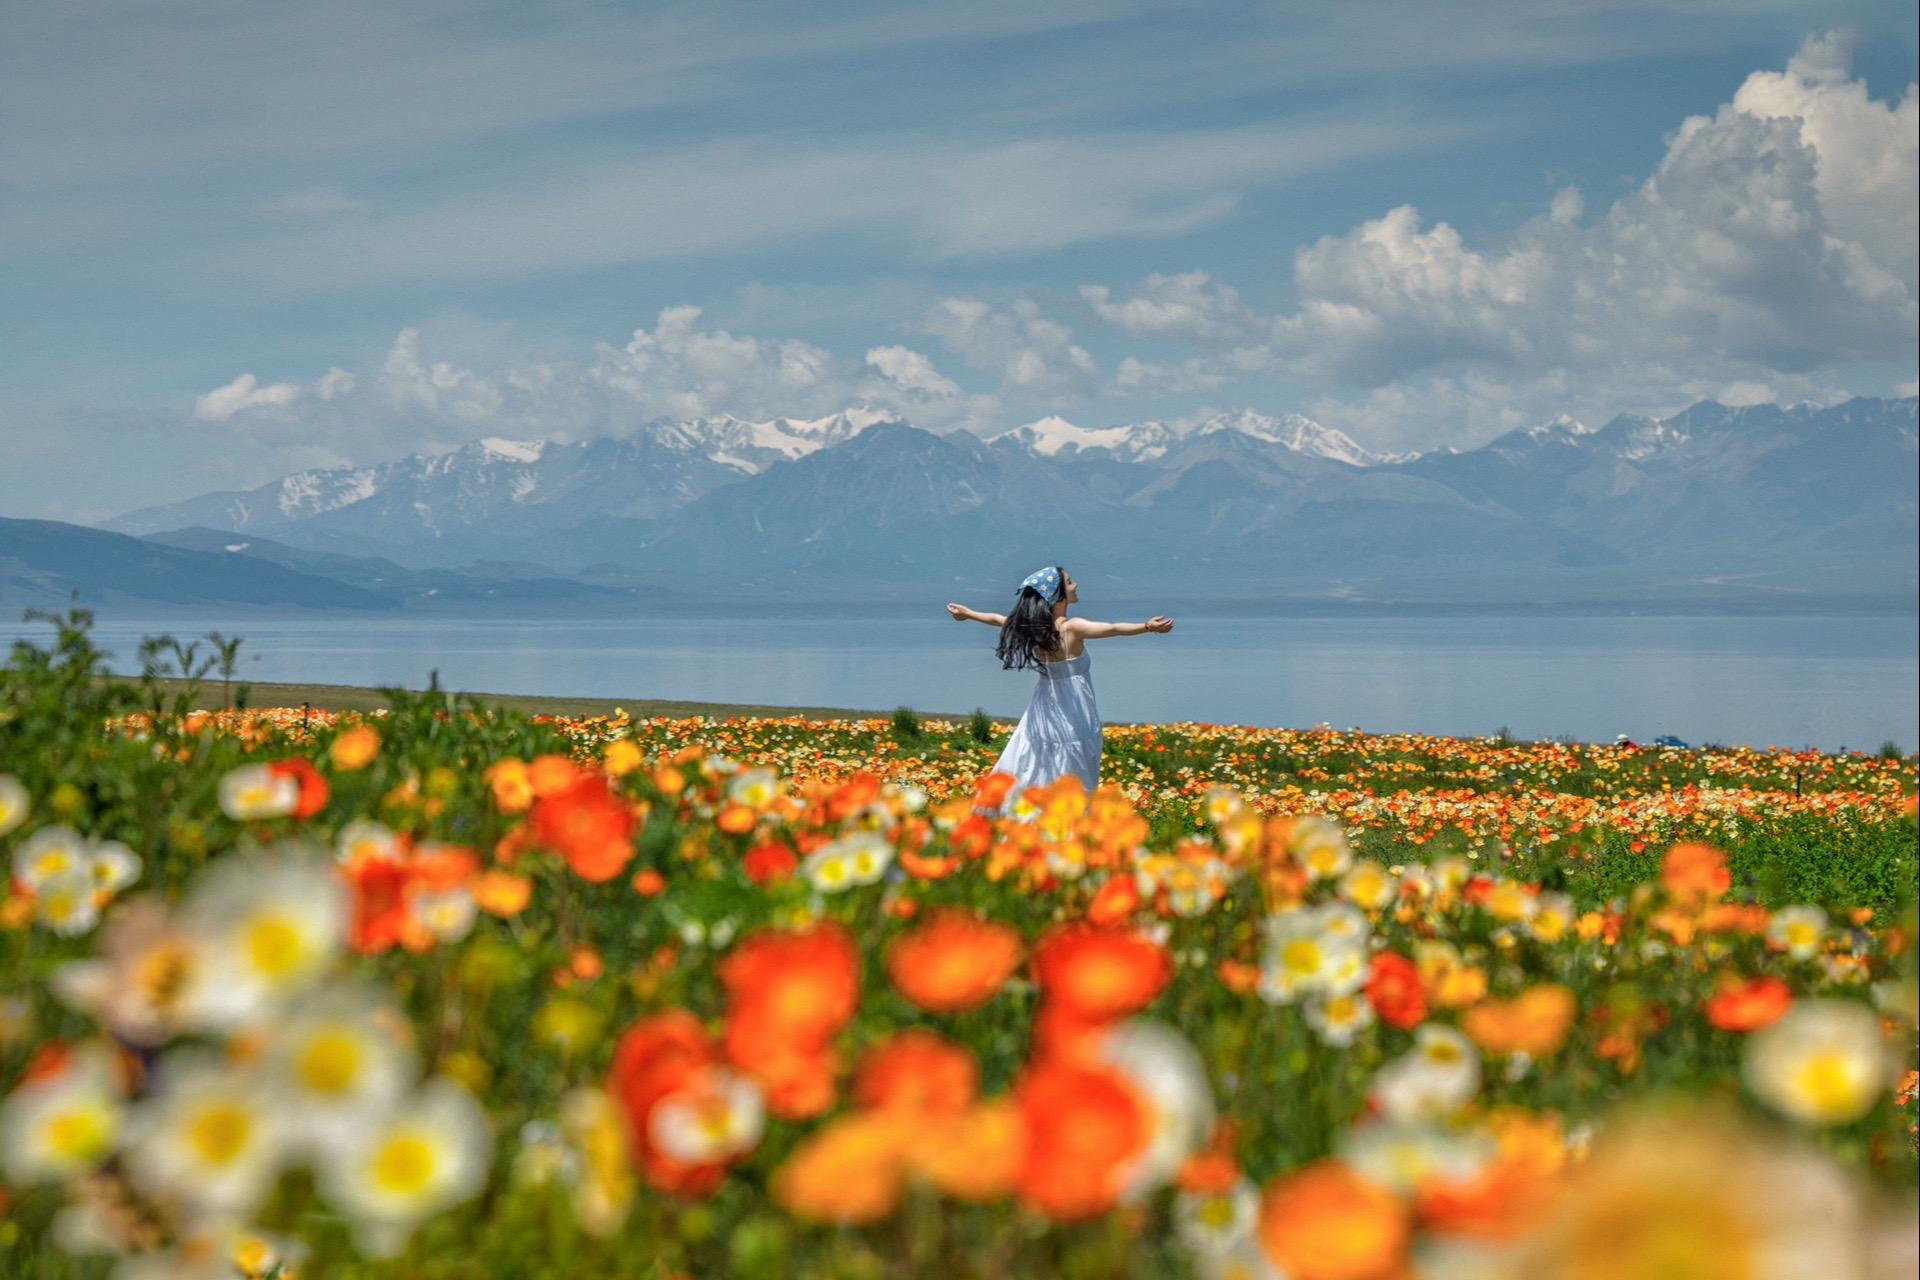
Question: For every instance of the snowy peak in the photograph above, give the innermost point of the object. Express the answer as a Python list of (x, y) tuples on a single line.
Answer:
[(1651, 437), (752, 447), (1299, 433), (513, 450), (1137, 442), (309, 493), (1562, 424)]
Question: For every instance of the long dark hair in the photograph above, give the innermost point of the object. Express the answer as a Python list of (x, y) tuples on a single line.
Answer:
[(1029, 628)]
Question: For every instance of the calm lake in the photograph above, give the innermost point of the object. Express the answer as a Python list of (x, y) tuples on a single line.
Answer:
[(1800, 681)]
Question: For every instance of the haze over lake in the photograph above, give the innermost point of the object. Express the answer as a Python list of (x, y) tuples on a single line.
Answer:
[(1789, 681)]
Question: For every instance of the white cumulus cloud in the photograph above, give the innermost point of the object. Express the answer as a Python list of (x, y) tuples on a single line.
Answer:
[(244, 394), (910, 371), (1773, 245), (1029, 354), (1190, 306)]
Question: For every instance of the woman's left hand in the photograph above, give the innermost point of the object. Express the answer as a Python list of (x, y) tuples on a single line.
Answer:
[(1160, 622)]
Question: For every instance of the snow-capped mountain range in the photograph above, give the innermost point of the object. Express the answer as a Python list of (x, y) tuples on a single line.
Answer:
[(1148, 441), (657, 467), (1822, 495)]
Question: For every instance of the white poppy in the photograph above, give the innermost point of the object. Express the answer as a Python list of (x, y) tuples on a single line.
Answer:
[(60, 1125), (210, 1137), (428, 1152)]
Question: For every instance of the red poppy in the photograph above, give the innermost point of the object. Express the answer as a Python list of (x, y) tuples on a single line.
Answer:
[(1749, 1005), (313, 786), (588, 825), (770, 861), (1396, 992), (658, 1057)]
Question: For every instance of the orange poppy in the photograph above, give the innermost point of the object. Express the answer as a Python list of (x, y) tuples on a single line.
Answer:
[(973, 1155), (788, 994), (1118, 898), (849, 1171), (991, 791), (1534, 1023), (1215, 1170), (588, 825), (355, 748), (736, 819), (549, 775), (953, 962), (502, 893), (1101, 973), (1748, 1005), (806, 980), (917, 1071), (853, 795), (1086, 1125), (1326, 1222), (923, 866), (1695, 873)]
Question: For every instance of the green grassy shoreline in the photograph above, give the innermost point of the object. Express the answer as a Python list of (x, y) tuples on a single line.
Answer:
[(211, 696)]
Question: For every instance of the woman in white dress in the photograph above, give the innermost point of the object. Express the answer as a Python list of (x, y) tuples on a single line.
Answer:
[(1059, 733)]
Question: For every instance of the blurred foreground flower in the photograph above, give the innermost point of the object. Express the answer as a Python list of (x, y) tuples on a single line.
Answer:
[(426, 1153), (1697, 1194)]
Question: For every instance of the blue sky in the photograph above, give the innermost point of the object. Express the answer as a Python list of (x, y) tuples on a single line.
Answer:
[(237, 240)]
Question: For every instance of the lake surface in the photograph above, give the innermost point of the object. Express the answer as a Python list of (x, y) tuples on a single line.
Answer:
[(1801, 681)]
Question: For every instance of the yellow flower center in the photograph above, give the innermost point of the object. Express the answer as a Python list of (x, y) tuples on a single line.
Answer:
[(52, 863), (82, 1134), (274, 945), (330, 1062), (1801, 934), (252, 1255), (219, 1132), (1830, 1082), (1217, 1212), (405, 1165), (715, 1120), (1301, 956)]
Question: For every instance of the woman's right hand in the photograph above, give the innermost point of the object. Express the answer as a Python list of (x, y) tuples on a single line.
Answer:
[(1160, 622), (959, 612)]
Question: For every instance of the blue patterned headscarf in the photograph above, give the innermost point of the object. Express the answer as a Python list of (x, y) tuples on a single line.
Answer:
[(1046, 581)]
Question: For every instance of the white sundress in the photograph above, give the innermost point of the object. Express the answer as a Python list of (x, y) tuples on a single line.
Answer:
[(1059, 733)]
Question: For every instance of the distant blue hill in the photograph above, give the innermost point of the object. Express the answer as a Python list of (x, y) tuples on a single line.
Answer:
[(43, 562)]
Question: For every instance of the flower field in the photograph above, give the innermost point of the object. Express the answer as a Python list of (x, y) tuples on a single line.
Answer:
[(439, 992)]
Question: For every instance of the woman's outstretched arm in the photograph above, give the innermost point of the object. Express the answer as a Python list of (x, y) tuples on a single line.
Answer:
[(961, 613), (1090, 630)]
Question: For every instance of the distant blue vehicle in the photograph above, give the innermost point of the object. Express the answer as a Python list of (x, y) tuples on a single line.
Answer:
[(1668, 740)]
